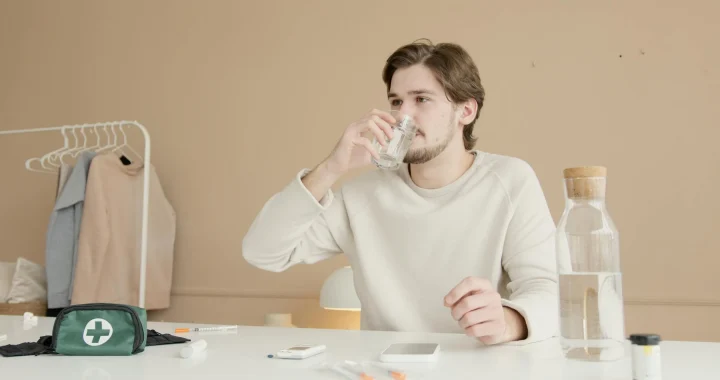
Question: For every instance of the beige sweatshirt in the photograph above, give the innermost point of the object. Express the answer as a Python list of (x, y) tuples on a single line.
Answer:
[(108, 259), (409, 246)]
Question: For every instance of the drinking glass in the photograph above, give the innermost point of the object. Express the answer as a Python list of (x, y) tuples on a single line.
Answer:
[(393, 153)]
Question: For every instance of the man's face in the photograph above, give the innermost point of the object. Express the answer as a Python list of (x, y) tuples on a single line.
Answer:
[(415, 91)]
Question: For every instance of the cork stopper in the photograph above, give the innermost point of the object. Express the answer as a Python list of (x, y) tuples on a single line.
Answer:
[(586, 182), (585, 172)]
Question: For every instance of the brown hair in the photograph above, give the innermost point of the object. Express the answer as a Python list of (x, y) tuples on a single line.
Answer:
[(453, 68)]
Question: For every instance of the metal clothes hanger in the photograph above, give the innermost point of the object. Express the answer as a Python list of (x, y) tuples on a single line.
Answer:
[(125, 144), (45, 165), (95, 147), (71, 150), (85, 147), (109, 144), (51, 156), (42, 169)]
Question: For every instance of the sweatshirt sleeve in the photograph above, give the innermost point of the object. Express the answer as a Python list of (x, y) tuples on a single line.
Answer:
[(529, 257), (293, 227)]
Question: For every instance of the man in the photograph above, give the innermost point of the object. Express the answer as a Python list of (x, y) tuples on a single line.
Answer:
[(455, 240)]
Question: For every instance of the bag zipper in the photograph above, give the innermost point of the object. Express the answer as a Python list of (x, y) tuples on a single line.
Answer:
[(100, 306)]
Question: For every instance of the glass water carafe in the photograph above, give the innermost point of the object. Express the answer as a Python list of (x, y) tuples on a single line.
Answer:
[(592, 324)]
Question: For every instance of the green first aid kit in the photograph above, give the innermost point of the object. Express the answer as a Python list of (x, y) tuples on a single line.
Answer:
[(100, 329)]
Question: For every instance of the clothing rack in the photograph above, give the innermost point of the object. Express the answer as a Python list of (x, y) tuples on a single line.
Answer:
[(146, 183)]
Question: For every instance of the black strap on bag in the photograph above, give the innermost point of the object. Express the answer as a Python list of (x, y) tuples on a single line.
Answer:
[(22, 349), (45, 343), (156, 339)]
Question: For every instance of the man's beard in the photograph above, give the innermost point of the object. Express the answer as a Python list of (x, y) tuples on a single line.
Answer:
[(423, 155)]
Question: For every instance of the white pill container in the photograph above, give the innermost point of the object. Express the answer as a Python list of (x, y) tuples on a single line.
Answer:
[(646, 364), (193, 348)]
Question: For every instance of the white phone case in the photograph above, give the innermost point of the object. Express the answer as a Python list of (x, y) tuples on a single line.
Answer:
[(410, 353)]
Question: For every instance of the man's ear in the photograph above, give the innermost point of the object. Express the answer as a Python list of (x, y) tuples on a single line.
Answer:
[(468, 111)]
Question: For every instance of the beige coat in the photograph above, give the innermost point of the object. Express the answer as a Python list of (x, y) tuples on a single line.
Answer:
[(108, 259)]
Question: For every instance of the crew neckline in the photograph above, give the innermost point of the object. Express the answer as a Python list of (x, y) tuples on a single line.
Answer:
[(132, 169), (405, 174)]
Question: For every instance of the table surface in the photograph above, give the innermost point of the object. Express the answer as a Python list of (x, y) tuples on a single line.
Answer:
[(242, 354)]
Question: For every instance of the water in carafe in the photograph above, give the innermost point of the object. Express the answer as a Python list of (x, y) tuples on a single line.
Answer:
[(590, 282)]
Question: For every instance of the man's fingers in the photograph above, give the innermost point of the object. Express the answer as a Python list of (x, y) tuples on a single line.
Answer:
[(477, 316), (384, 125), (475, 302), (466, 286), (379, 133), (368, 145), (388, 117), (492, 328)]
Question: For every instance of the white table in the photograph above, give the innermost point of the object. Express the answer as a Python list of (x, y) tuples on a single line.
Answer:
[(242, 354)]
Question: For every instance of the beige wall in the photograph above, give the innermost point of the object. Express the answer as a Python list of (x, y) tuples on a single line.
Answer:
[(238, 96)]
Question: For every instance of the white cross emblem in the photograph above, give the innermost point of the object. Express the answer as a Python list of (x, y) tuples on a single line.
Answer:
[(97, 332)]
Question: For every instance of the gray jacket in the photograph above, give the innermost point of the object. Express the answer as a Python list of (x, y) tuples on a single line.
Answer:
[(63, 233)]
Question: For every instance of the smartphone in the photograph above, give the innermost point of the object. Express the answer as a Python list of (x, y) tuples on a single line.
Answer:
[(302, 351), (410, 352)]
